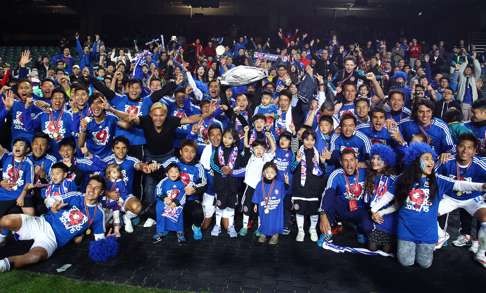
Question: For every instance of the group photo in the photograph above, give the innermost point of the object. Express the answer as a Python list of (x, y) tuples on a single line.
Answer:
[(243, 146)]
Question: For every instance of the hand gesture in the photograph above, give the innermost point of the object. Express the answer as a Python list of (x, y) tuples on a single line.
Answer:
[(25, 58), (29, 101), (377, 218), (58, 204), (286, 178), (325, 155), (5, 184), (370, 76), (298, 157), (292, 128), (319, 78), (8, 99), (246, 129), (83, 124), (20, 201)]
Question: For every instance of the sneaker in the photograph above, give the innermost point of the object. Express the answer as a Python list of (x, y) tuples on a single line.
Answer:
[(324, 238), (149, 223), (273, 240), (300, 236), (462, 240), (474, 246), (181, 238), (262, 239), (243, 232), (442, 241), (232, 232), (361, 239), (216, 231), (257, 233), (286, 231), (196, 233), (481, 258), (157, 238), (313, 235), (128, 224), (4, 265)]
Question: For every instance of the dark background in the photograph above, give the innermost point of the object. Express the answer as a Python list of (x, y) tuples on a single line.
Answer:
[(44, 22)]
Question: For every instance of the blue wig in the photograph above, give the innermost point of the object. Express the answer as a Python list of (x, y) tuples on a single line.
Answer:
[(415, 150), (386, 153), (103, 250)]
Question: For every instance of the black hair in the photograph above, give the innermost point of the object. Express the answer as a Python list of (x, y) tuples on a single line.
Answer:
[(60, 165), (422, 102), (470, 137), (214, 126), (453, 115), (80, 87), (172, 165), (347, 116), (121, 139), (287, 93), (326, 118), (98, 178), (257, 117), (362, 100), (133, 81), (189, 143), (67, 141), (233, 133), (270, 164), (94, 97), (307, 133), (479, 104), (60, 90), (377, 110), (259, 142), (43, 135)]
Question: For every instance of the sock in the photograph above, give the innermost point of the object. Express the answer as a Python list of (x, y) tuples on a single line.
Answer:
[(300, 222), (4, 265), (231, 217), (219, 215), (246, 218), (259, 222), (130, 215), (313, 222), (482, 238), (440, 232)]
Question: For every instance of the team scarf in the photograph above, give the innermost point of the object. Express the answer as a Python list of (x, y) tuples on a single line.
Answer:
[(303, 165), (343, 249), (231, 159), (284, 123)]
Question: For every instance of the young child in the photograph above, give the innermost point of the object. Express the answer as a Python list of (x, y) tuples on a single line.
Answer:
[(58, 185), (266, 108), (171, 198), (115, 195), (307, 185), (268, 198), (227, 164), (258, 131), (260, 156)]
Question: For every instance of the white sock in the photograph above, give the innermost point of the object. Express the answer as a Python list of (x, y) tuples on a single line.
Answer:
[(4, 265), (482, 238), (219, 215), (313, 222), (231, 217), (259, 222), (300, 222), (245, 221), (130, 215)]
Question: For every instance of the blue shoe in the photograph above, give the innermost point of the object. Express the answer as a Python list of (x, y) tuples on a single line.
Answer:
[(361, 238), (196, 233), (286, 231), (243, 232), (324, 238), (180, 237)]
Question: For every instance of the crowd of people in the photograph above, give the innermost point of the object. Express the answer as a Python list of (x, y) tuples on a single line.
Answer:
[(388, 137)]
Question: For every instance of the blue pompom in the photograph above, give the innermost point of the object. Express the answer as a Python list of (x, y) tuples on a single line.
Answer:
[(386, 153), (415, 150), (103, 250)]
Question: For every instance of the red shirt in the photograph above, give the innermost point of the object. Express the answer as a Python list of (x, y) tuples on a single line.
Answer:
[(415, 51)]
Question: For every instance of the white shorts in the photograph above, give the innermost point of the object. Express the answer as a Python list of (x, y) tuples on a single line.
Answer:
[(448, 204), (39, 230)]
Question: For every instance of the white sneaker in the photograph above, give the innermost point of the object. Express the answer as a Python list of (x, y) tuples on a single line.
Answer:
[(216, 231), (481, 258), (474, 246), (4, 265), (232, 232), (313, 235), (300, 236), (462, 240), (149, 223), (442, 241), (128, 224)]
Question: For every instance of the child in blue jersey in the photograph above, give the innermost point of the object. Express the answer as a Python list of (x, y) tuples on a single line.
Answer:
[(194, 179), (418, 191), (68, 220), (171, 198), (379, 194), (268, 198), (58, 186), (17, 173), (258, 130), (115, 195), (283, 159), (268, 109)]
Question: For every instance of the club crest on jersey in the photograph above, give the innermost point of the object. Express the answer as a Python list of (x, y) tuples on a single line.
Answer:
[(55, 130), (418, 200), (101, 136), (355, 191), (132, 109), (73, 220), (186, 178), (18, 122), (12, 177)]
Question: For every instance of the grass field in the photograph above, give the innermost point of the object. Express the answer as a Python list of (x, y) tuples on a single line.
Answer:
[(23, 281)]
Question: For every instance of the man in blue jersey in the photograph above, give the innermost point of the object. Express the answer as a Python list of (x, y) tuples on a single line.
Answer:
[(77, 214), (465, 166), (478, 124)]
